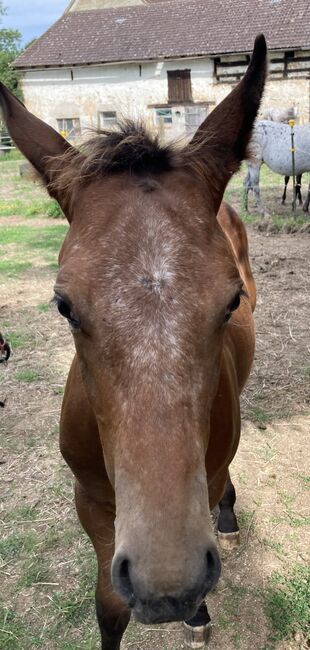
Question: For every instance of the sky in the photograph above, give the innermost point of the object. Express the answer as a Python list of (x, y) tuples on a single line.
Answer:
[(32, 17)]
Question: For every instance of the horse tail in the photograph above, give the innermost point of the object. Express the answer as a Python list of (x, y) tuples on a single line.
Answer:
[(235, 231)]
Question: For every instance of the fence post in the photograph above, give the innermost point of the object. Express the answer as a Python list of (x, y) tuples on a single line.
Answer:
[(292, 124)]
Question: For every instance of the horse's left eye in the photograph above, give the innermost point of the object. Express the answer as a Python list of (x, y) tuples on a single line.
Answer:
[(233, 305), (65, 310)]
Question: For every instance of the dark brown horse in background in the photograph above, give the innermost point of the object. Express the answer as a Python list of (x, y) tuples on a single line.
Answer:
[(158, 293)]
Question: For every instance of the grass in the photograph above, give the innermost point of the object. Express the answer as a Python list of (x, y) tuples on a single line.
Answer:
[(12, 630), (22, 513), (17, 207), (32, 208), (21, 243), (11, 155), (269, 182), (12, 268), (68, 613), (277, 547), (18, 339), (34, 571), (305, 480), (246, 519), (259, 415), (287, 603), (77, 605), (267, 452), (43, 307), (236, 599), (15, 544), (48, 238), (28, 375)]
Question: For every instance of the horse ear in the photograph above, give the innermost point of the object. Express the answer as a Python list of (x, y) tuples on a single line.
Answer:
[(220, 143), (38, 141)]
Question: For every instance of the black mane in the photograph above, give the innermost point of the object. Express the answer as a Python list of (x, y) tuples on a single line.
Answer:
[(127, 148)]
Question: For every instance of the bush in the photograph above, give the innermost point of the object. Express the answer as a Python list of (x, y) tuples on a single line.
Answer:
[(54, 210)]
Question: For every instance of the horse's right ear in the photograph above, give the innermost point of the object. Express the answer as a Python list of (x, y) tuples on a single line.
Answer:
[(37, 141)]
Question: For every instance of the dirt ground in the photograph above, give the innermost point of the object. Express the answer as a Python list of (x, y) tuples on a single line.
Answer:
[(279, 382), (270, 470)]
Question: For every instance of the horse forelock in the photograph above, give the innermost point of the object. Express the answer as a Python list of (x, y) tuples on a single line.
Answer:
[(127, 148), (130, 148)]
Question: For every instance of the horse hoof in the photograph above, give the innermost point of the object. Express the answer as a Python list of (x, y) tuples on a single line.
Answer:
[(196, 636), (229, 541)]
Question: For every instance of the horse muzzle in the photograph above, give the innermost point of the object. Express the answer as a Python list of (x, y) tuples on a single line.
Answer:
[(148, 606)]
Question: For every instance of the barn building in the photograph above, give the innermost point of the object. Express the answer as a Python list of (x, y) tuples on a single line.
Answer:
[(167, 61)]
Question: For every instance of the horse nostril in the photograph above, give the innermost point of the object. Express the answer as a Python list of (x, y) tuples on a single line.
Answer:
[(213, 568), (121, 580)]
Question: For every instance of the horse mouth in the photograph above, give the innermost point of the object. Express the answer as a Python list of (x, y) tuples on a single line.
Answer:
[(164, 610)]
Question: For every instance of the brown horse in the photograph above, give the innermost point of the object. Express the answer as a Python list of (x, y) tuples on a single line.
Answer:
[(158, 293)]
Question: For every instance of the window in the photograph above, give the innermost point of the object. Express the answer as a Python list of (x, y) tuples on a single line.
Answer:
[(194, 116), (107, 119), (69, 127), (163, 116), (179, 86)]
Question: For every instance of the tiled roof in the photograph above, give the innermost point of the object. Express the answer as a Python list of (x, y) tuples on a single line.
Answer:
[(169, 29)]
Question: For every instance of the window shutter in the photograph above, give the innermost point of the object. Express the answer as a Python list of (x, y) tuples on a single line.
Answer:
[(179, 86)]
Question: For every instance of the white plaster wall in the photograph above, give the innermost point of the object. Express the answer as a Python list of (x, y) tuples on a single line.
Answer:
[(129, 89)]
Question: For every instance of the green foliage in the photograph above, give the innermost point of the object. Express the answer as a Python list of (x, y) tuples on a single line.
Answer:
[(9, 50), (41, 207), (287, 603), (54, 210), (8, 75)]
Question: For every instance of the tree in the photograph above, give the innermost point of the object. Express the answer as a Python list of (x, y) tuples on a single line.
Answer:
[(9, 49)]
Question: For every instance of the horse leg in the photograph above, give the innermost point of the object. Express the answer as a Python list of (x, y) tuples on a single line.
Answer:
[(307, 201), (286, 180), (252, 181), (81, 447), (247, 187), (298, 189), (197, 630), (97, 520), (227, 525)]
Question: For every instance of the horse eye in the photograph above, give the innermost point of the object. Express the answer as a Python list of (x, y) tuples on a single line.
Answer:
[(233, 305), (65, 310)]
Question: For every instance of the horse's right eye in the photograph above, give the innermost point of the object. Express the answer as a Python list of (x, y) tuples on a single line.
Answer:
[(65, 310)]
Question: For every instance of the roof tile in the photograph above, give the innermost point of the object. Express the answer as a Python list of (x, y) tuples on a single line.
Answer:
[(169, 29)]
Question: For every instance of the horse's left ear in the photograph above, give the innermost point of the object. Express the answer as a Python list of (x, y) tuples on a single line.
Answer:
[(219, 145), (38, 141)]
